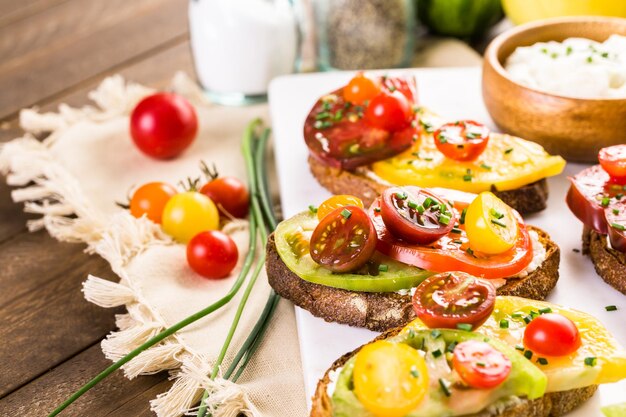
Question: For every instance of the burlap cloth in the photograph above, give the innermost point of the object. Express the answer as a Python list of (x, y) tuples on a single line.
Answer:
[(86, 164)]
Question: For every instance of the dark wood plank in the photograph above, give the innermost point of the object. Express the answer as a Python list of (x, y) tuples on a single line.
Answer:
[(92, 37), (12, 217), (115, 396)]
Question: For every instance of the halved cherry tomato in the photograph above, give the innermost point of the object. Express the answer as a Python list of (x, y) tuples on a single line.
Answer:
[(453, 252), (360, 89), (150, 199), (613, 160), (212, 254), (416, 215), (390, 379), (229, 194), (480, 365), (552, 334), (464, 140), (452, 298), (344, 240), (187, 214), (389, 111), (490, 224), (336, 201)]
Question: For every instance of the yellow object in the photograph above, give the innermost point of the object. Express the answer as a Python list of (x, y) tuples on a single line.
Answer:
[(335, 202), (490, 224), (390, 379), (187, 214), (507, 163), (522, 11), (565, 372)]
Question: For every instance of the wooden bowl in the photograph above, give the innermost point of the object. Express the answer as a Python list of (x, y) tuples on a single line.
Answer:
[(575, 128)]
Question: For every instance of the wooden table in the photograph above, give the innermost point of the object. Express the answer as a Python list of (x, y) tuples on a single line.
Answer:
[(54, 51)]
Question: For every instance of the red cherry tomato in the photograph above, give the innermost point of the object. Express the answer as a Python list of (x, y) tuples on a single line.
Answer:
[(344, 240), (416, 215), (163, 125), (464, 140), (212, 254), (150, 199), (229, 194), (480, 365), (613, 160), (552, 335), (452, 298), (360, 89), (388, 111)]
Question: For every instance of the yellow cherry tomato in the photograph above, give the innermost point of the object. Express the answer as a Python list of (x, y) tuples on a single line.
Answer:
[(187, 214), (390, 379), (490, 224), (335, 202)]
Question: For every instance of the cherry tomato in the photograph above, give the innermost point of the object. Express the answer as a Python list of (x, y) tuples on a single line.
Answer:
[(189, 213), (335, 202), (480, 365), (552, 335), (490, 224), (344, 240), (613, 160), (388, 111), (212, 254), (360, 89), (464, 140), (163, 125), (452, 298), (416, 215), (229, 194), (150, 199), (390, 379)]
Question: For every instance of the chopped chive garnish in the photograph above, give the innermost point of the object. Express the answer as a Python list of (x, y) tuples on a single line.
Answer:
[(326, 105), (435, 333), (519, 347), (456, 230), (542, 361), (495, 213), (458, 241), (610, 308), (346, 213), (591, 361), (534, 313), (590, 59), (528, 354), (402, 196), (467, 177), (443, 219), (322, 115), (528, 319), (517, 315), (504, 324), (338, 115), (481, 364), (485, 166), (411, 333), (445, 387), (464, 326), (412, 204), (451, 346), (392, 88), (428, 202), (436, 353), (470, 251), (462, 218), (443, 139), (605, 201), (568, 51), (498, 222), (377, 209), (414, 372), (421, 209), (508, 151), (312, 209), (619, 196), (383, 268), (618, 226), (545, 310), (615, 211)]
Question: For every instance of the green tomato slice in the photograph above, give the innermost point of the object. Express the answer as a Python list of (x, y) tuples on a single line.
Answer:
[(381, 274)]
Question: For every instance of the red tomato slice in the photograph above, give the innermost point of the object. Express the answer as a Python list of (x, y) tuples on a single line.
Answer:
[(552, 335), (344, 240), (464, 140), (452, 298), (336, 133), (480, 365), (450, 253), (613, 160), (416, 215), (389, 111)]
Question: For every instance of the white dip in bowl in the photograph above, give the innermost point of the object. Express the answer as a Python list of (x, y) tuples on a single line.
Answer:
[(576, 67)]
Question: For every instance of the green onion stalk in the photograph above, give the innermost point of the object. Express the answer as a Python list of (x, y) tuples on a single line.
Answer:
[(261, 215)]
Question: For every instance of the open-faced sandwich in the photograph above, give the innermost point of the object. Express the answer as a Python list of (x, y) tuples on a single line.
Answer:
[(528, 359), (596, 197), (360, 267), (372, 133)]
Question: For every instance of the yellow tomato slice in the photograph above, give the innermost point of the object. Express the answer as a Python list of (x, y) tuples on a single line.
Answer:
[(336, 201), (507, 163), (490, 224), (390, 379)]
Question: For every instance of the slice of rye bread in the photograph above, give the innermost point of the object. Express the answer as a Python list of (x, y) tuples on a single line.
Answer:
[(610, 264), (553, 404), (527, 199), (383, 311)]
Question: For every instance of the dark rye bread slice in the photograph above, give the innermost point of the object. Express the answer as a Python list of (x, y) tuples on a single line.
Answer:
[(610, 264), (383, 311), (527, 199), (553, 404)]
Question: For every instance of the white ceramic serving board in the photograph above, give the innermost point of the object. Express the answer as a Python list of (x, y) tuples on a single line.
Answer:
[(454, 93)]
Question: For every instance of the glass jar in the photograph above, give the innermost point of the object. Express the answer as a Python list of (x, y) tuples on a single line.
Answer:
[(239, 46), (364, 34)]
